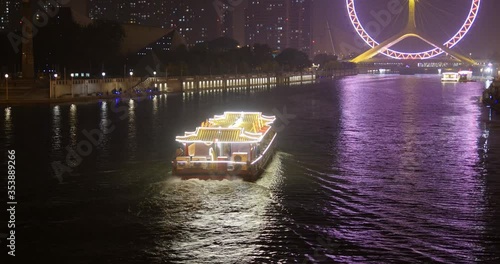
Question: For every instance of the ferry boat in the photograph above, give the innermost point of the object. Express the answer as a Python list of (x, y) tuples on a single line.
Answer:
[(450, 77), (236, 144)]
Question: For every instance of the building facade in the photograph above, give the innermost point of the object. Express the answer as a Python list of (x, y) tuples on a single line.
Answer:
[(10, 14), (279, 23), (300, 35), (195, 20)]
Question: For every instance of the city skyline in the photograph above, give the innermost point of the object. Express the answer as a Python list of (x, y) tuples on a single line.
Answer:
[(203, 21), (8, 13), (327, 24), (279, 23), (331, 15)]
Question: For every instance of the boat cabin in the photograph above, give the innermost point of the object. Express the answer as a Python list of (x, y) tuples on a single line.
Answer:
[(226, 143), (450, 77)]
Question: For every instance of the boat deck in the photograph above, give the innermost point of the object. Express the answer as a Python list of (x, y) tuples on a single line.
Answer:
[(235, 143)]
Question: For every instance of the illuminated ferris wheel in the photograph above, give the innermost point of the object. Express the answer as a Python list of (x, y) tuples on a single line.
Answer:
[(411, 30)]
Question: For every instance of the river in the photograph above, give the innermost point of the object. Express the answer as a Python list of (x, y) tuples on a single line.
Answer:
[(370, 169)]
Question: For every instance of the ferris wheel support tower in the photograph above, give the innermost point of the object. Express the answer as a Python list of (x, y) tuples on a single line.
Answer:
[(410, 30)]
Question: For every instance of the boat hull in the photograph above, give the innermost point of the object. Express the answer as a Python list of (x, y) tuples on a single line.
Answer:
[(249, 172)]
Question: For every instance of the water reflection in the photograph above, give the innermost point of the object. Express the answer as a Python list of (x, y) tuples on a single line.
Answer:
[(411, 128), (489, 145), (8, 126), (56, 136), (132, 131), (73, 123), (155, 105), (488, 83), (7, 114), (392, 169), (106, 127), (105, 122), (206, 215), (413, 154)]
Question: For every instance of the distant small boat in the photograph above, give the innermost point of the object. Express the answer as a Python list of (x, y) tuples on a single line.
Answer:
[(235, 144), (465, 76), (450, 77)]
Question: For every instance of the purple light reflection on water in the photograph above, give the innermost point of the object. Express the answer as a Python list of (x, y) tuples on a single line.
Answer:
[(409, 152), (371, 170)]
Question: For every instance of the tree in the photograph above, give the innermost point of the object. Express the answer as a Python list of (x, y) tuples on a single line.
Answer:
[(269, 67), (262, 55), (10, 60), (323, 58), (222, 44), (103, 40), (56, 44), (293, 60), (238, 59), (65, 44)]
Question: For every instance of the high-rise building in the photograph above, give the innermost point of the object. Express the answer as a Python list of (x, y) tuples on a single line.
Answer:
[(300, 25), (225, 19), (267, 23), (279, 23), (231, 19), (10, 14), (195, 20)]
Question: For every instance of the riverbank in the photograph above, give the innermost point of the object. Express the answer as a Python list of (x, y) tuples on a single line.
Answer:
[(83, 99), (92, 90)]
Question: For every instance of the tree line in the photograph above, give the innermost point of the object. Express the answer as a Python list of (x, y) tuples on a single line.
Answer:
[(66, 44), (94, 48)]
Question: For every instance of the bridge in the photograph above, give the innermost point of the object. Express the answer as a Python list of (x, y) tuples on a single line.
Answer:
[(428, 66)]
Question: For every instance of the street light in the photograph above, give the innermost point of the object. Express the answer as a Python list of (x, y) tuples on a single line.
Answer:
[(154, 73), (72, 76), (130, 80), (102, 84), (53, 87), (6, 87)]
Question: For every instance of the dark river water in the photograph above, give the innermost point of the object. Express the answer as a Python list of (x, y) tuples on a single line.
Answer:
[(370, 169)]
